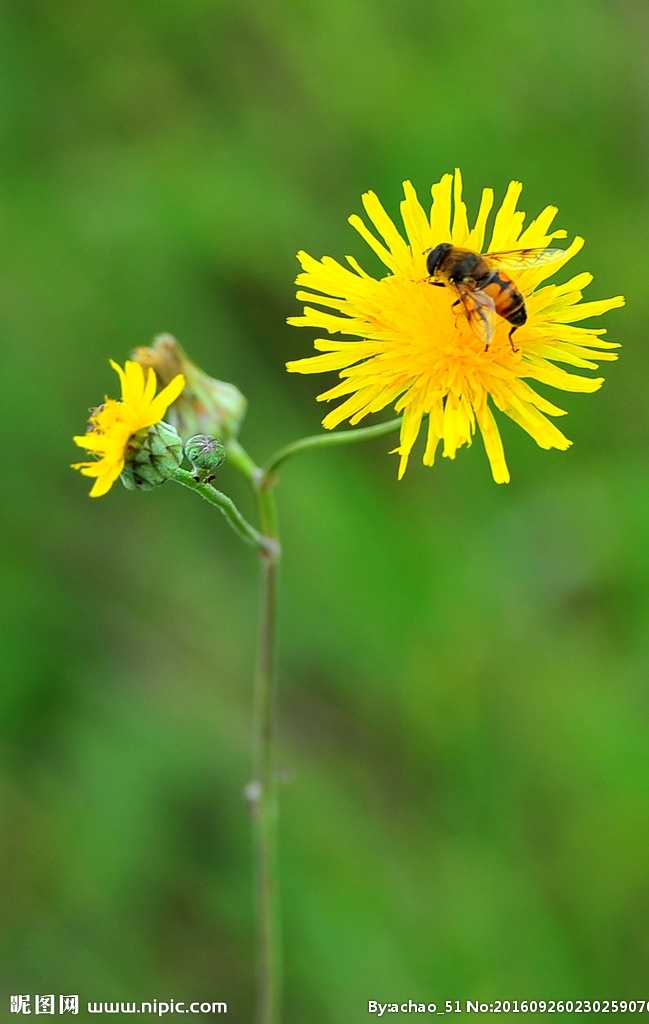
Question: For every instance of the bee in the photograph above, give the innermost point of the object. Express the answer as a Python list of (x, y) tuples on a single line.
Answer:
[(484, 289)]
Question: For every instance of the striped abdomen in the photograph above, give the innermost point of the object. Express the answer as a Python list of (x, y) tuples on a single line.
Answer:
[(508, 301)]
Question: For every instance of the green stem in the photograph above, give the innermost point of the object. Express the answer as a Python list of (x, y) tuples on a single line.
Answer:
[(263, 792), (326, 440), (228, 508)]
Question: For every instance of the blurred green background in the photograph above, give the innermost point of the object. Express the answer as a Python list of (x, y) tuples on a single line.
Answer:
[(464, 667)]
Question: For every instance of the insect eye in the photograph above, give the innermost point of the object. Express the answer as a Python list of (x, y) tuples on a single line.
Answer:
[(435, 257)]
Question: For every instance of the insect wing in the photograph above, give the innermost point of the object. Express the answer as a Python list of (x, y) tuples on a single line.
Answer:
[(480, 312), (521, 259)]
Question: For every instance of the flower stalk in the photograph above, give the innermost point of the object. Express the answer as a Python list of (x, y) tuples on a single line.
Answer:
[(327, 441), (263, 794)]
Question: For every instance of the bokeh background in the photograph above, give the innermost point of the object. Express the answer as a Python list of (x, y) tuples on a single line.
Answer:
[(464, 667)]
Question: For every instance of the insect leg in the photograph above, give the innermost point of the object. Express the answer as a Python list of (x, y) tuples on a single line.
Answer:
[(511, 341)]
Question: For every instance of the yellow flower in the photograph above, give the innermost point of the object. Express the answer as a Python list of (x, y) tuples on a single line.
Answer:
[(424, 357), (112, 427)]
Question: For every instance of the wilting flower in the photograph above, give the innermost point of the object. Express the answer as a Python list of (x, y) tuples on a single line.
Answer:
[(117, 430), (421, 355), (207, 406)]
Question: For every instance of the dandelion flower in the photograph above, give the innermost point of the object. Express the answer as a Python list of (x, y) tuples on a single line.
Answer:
[(417, 353), (117, 429)]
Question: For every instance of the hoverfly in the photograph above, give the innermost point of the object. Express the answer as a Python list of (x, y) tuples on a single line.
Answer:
[(484, 289)]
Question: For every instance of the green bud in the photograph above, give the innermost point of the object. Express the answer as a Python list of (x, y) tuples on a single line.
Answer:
[(152, 456), (206, 455)]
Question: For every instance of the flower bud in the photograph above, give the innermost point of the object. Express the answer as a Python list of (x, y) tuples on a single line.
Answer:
[(206, 455), (206, 405), (152, 456)]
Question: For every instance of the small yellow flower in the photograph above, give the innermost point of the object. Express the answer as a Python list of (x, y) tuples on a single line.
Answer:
[(112, 428), (418, 354)]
